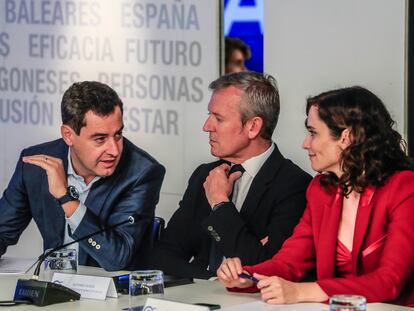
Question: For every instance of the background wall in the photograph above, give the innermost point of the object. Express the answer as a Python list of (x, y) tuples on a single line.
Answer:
[(159, 56), (314, 46)]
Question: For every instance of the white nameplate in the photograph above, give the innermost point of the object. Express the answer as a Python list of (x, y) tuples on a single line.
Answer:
[(168, 305), (93, 287)]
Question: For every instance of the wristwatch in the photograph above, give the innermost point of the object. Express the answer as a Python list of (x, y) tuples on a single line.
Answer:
[(72, 194)]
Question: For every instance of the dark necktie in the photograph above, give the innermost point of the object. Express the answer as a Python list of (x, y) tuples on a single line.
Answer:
[(233, 169), (216, 256)]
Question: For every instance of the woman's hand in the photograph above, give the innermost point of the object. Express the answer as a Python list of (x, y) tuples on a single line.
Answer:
[(276, 290), (229, 274)]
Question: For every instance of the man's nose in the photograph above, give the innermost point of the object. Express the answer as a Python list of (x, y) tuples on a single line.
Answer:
[(207, 125), (113, 147)]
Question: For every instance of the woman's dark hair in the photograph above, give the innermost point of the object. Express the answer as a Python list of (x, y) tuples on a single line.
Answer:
[(376, 151)]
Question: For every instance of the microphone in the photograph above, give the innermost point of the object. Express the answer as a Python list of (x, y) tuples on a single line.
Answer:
[(43, 293)]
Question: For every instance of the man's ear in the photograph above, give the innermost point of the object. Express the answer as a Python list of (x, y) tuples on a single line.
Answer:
[(345, 138), (67, 134), (254, 127)]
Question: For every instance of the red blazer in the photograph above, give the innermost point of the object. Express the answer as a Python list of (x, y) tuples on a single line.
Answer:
[(383, 246)]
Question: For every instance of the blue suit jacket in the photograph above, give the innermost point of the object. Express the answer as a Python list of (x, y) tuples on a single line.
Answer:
[(133, 188)]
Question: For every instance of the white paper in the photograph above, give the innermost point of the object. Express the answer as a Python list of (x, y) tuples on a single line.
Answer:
[(16, 265), (262, 306), (168, 305), (92, 287)]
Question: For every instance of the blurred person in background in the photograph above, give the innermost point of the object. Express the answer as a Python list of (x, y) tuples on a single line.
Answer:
[(236, 54)]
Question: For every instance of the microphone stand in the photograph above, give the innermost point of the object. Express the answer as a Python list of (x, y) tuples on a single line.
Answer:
[(131, 220), (43, 293)]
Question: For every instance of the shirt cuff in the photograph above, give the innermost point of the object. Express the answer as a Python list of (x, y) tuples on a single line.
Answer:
[(76, 218)]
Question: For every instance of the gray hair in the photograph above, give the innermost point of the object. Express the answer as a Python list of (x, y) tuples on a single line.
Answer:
[(260, 97)]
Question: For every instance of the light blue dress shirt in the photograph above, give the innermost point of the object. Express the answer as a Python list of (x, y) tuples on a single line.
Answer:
[(79, 183)]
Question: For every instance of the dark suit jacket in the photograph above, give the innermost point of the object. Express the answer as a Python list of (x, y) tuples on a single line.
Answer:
[(273, 206), (133, 188), (383, 247)]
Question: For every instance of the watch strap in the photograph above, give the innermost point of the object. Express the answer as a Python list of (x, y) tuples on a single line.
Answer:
[(66, 198), (72, 194), (221, 204)]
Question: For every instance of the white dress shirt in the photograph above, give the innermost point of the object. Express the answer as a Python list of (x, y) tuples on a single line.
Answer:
[(252, 167)]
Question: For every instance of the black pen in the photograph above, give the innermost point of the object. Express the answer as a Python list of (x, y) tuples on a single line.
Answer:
[(248, 277)]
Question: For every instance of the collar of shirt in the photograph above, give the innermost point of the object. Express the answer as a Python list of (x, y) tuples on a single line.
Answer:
[(253, 165)]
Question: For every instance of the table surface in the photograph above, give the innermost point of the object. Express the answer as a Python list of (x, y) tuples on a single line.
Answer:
[(201, 291)]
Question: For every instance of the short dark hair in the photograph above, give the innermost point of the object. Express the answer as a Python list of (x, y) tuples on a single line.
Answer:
[(84, 96), (232, 44), (260, 97), (376, 151)]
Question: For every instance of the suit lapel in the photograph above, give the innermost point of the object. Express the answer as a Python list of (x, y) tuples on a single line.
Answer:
[(102, 188), (362, 222), (328, 236), (95, 202), (261, 183), (98, 195)]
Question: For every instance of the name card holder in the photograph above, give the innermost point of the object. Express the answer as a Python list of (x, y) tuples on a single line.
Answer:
[(92, 287)]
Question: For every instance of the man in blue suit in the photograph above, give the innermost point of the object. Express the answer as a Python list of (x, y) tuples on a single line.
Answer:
[(89, 179)]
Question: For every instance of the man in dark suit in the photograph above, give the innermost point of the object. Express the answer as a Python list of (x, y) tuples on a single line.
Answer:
[(89, 179), (248, 213)]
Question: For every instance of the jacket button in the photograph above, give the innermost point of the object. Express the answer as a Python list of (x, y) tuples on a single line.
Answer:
[(90, 240), (218, 238), (97, 246), (93, 243), (210, 228)]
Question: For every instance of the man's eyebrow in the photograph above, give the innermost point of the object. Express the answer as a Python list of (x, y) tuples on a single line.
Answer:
[(215, 114), (99, 135), (95, 135)]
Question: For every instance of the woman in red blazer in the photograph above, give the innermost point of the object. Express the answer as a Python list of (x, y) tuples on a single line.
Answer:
[(358, 227)]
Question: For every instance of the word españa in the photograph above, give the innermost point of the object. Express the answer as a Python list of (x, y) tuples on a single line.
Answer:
[(177, 15)]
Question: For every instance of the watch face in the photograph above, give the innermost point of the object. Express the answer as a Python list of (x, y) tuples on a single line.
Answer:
[(73, 192)]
